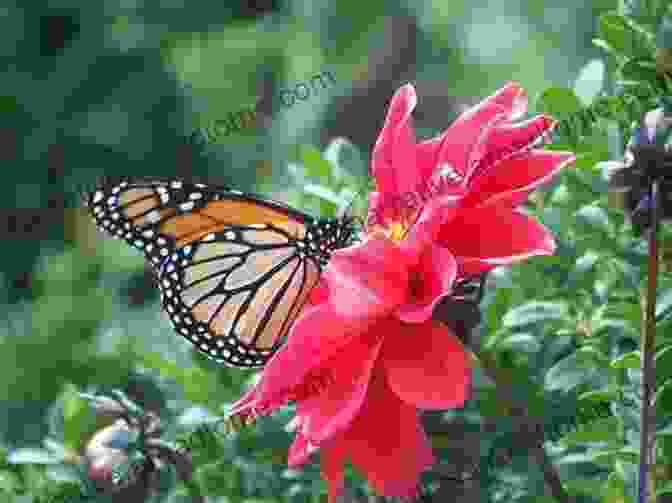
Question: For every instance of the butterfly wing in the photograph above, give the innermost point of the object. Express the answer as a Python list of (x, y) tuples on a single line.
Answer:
[(159, 216), (235, 293), (234, 269)]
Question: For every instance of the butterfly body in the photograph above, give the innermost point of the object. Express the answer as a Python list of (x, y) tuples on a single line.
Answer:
[(234, 269)]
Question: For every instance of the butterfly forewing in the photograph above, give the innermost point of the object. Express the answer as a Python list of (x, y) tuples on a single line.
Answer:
[(159, 216)]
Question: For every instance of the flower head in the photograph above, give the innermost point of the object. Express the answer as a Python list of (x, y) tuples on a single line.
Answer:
[(365, 354), (358, 372), (464, 185)]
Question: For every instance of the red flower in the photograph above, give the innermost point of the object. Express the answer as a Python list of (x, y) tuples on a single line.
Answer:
[(358, 373), (467, 181), (365, 354)]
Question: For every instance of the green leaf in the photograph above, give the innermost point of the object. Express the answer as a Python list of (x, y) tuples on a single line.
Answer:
[(497, 307), (9, 481), (664, 33), (574, 458), (608, 457), (590, 81), (520, 343), (586, 262), (615, 487), (601, 430), (591, 354), (78, 418), (600, 395), (604, 45), (595, 217), (33, 456), (567, 374), (663, 365), (325, 194), (663, 399), (625, 36), (534, 312), (631, 360), (560, 102), (640, 70), (315, 166), (590, 487), (666, 431), (666, 489), (664, 304)]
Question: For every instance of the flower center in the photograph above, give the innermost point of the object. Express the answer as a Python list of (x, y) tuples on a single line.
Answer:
[(397, 231), (313, 384)]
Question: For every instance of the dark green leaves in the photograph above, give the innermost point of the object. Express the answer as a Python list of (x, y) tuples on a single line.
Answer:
[(569, 373), (534, 312), (624, 37)]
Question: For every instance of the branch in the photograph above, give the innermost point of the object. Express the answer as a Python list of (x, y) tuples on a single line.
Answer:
[(648, 347)]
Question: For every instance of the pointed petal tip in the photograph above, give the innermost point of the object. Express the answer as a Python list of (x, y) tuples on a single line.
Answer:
[(514, 85), (407, 88)]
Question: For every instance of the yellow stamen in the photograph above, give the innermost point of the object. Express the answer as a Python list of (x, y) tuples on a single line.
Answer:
[(391, 230), (397, 231)]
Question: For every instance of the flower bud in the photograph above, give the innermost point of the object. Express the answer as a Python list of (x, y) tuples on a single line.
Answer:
[(647, 157)]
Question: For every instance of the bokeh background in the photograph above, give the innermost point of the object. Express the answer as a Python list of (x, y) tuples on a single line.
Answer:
[(128, 87)]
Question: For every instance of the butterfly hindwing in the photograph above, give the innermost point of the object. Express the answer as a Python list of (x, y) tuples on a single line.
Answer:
[(235, 293)]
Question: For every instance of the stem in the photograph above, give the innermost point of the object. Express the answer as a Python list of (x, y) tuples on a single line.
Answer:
[(535, 427), (648, 344)]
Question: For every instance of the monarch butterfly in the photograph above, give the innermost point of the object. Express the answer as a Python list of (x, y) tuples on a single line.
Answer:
[(233, 269)]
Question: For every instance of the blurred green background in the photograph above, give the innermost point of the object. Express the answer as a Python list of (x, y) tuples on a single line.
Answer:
[(116, 87)]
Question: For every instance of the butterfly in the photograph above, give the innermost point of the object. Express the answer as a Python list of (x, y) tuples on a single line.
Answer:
[(233, 269)]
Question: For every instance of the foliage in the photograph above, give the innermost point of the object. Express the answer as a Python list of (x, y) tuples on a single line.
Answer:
[(564, 329)]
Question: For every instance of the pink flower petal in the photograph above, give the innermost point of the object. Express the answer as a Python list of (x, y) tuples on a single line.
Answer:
[(374, 214), (393, 157), (459, 140), (332, 460), (428, 225), (494, 235), (316, 336), (506, 140), (245, 405), (367, 280), (318, 295), (387, 442), (364, 282), (432, 372), (332, 409), (511, 181), (434, 273), (470, 128), (300, 451)]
